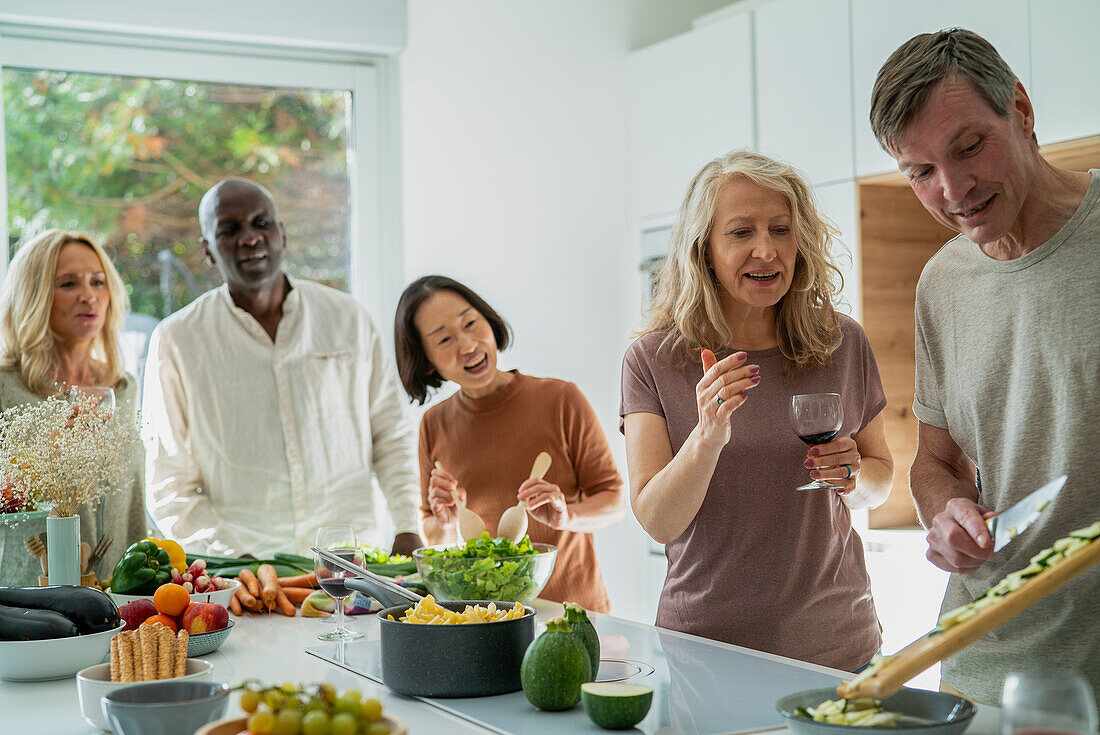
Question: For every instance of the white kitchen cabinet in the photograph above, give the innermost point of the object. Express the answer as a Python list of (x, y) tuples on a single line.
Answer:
[(1065, 68), (689, 100), (880, 26), (804, 86), (840, 204)]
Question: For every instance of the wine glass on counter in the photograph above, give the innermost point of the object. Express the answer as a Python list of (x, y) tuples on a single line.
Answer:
[(339, 540), (1047, 702), (817, 418)]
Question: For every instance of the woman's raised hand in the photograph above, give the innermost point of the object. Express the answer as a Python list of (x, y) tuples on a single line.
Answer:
[(722, 390), (440, 485)]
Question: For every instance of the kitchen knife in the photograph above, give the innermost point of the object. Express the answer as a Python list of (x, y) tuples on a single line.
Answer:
[(1015, 520)]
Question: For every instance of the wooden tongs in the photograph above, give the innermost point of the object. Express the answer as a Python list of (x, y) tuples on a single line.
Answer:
[(932, 647)]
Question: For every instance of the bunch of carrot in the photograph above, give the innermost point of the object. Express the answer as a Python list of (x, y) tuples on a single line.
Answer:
[(265, 591)]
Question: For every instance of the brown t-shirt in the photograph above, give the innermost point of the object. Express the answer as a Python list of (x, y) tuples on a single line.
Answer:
[(763, 565), (490, 443)]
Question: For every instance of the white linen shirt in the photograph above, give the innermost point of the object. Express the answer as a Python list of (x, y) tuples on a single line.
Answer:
[(253, 444)]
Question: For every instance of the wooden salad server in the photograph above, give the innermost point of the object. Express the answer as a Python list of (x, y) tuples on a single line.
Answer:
[(470, 524), (513, 522), (932, 647)]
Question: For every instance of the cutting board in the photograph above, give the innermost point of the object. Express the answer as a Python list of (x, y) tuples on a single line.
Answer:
[(928, 649)]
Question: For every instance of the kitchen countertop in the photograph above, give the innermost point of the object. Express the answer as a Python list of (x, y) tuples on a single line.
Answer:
[(272, 648)]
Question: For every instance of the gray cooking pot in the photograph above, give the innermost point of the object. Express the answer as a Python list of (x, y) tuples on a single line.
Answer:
[(469, 660)]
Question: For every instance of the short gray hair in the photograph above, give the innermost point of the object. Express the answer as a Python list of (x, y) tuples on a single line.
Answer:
[(908, 76)]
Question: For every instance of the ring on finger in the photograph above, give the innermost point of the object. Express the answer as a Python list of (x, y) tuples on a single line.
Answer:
[(719, 400), (848, 467)]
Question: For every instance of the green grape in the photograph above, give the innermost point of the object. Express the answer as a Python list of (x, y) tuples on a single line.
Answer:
[(292, 703), (348, 702), (289, 688), (250, 700), (327, 692), (274, 699), (314, 704), (344, 724), (378, 728), (286, 722), (371, 710), (262, 722), (315, 722)]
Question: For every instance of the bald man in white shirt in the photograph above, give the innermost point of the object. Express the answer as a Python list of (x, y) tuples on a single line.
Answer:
[(269, 402)]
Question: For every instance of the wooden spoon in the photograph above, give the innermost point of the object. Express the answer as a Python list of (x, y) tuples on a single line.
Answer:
[(513, 522), (470, 524)]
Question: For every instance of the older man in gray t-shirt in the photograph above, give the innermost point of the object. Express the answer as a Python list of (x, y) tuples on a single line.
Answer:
[(1008, 377)]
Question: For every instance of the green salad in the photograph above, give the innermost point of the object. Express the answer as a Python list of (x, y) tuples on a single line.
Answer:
[(486, 568), (381, 562)]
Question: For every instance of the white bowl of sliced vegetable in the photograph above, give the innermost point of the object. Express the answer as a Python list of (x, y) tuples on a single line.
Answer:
[(912, 711)]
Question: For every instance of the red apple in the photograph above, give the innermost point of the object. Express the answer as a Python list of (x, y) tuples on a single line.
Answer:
[(137, 612), (9, 501), (203, 617)]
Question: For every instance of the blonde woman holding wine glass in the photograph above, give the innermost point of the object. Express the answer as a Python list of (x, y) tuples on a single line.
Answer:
[(743, 321), (61, 312)]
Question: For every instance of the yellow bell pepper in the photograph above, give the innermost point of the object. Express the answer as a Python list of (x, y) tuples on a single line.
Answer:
[(176, 555)]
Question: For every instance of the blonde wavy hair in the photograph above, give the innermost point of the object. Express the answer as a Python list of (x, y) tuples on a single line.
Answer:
[(27, 301), (687, 301)]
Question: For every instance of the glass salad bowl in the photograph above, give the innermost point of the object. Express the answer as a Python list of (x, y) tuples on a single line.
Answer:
[(486, 569)]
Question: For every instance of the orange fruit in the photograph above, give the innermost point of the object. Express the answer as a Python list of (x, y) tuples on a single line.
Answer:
[(162, 619), (171, 599)]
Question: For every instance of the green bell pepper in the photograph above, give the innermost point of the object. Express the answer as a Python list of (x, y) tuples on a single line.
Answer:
[(142, 569)]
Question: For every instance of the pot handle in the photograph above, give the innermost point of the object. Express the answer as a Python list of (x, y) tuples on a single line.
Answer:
[(386, 592)]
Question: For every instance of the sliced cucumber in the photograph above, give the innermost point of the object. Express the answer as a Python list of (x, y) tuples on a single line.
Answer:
[(1077, 545), (1013, 581), (1088, 532)]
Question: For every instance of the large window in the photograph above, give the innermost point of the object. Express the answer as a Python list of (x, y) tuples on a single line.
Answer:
[(120, 136), (127, 159)]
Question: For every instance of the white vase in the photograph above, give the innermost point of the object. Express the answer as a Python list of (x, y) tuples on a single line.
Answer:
[(63, 549)]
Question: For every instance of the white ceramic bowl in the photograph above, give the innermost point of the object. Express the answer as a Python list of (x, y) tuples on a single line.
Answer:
[(95, 681), (221, 597), (54, 658)]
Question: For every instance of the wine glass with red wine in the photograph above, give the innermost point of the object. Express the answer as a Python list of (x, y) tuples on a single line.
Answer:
[(1049, 702), (339, 540), (817, 418)]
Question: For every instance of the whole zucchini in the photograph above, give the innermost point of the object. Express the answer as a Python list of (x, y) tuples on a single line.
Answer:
[(554, 667), (582, 626), (89, 609), (25, 624)]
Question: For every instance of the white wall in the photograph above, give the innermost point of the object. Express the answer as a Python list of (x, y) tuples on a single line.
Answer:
[(361, 26), (515, 169)]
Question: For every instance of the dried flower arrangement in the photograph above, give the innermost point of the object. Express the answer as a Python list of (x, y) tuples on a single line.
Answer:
[(65, 454)]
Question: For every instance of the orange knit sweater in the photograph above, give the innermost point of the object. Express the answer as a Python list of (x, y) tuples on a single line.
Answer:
[(490, 443)]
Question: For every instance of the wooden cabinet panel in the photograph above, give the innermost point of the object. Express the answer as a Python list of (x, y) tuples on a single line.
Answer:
[(897, 237)]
